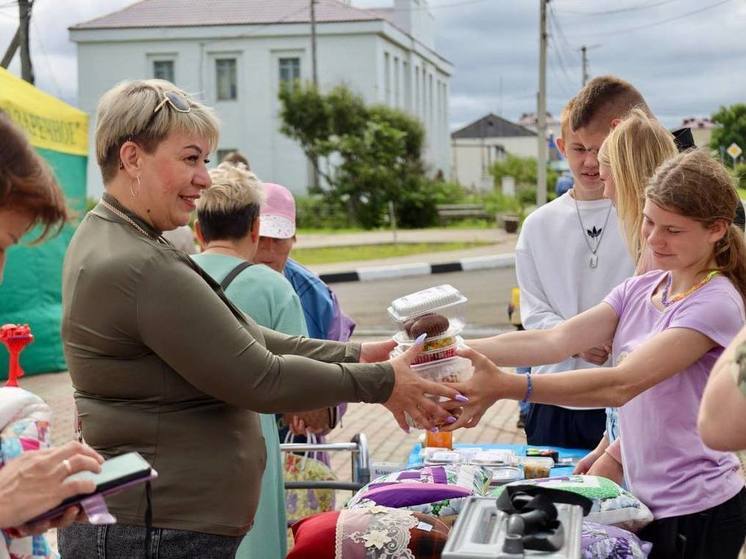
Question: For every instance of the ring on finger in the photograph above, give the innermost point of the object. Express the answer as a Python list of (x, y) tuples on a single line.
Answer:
[(68, 467)]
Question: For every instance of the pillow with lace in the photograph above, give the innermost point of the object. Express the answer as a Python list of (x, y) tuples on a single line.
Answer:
[(439, 491), (369, 532), (612, 504)]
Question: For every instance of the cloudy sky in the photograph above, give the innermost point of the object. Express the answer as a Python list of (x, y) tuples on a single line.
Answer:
[(688, 57)]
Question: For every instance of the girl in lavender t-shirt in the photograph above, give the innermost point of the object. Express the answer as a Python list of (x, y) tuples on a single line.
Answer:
[(668, 327)]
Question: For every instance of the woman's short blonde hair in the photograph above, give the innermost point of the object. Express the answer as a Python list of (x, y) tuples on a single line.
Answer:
[(233, 187), (229, 208), (125, 112), (633, 151)]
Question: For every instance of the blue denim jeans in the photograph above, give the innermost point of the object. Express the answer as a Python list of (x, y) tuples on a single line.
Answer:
[(122, 541)]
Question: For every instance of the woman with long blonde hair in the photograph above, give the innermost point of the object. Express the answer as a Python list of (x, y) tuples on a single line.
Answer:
[(629, 156)]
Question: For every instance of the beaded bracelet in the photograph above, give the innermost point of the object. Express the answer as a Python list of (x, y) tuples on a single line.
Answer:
[(529, 388)]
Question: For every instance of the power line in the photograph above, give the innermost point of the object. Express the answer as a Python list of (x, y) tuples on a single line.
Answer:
[(554, 25), (656, 23), (57, 87), (619, 10)]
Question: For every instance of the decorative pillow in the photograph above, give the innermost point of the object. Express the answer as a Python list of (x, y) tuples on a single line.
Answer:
[(436, 490), (612, 505), (24, 427), (610, 542), (371, 532)]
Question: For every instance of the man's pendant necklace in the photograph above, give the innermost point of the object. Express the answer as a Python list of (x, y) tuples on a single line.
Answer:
[(595, 234)]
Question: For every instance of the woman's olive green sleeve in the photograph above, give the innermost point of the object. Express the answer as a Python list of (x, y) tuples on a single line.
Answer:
[(321, 350), (189, 327)]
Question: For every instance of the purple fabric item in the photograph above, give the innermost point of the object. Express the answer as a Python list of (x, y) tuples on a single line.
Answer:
[(600, 541), (407, 494), (439, 474), (666, 464), (409, 474), (341, 326)]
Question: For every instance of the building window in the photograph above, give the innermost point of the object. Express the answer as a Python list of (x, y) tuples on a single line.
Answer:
[(387, 78), (397, 92), (289, 70), (407, 77), (163, 70), (226, 79), (417, 90)]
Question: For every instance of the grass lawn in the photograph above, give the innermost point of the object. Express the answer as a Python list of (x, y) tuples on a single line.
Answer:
[(327, 255), (742, 193)]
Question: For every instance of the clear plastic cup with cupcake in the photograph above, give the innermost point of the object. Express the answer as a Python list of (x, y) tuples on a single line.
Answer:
[(436, 312)]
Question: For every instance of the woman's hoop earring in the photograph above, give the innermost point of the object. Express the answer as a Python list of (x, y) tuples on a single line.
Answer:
[(134, 191)]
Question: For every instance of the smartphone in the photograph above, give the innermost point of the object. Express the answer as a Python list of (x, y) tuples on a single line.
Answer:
[(116, 474)]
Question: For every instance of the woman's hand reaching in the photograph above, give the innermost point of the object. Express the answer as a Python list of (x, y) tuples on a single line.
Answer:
[(482, 390), (418, 397)]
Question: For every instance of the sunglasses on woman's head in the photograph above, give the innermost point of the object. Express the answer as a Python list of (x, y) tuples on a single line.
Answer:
[(176, 100)]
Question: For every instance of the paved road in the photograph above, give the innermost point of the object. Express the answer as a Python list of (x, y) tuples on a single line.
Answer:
[(488, 292)]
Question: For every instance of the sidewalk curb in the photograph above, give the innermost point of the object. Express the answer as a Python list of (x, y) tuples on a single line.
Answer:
[(373, 273)]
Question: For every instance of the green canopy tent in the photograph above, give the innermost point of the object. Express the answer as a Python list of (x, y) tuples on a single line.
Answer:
[(31, 291)]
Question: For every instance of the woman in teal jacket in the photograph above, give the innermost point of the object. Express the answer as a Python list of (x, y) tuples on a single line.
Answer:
[(228, 232)]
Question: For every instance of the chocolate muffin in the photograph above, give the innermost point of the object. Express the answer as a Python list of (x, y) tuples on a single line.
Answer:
[(432, 324)]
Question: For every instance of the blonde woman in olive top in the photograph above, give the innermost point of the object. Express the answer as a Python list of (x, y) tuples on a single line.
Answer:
[(162, 363)]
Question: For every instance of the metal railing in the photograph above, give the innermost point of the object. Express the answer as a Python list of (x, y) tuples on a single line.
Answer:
[(360, 463)]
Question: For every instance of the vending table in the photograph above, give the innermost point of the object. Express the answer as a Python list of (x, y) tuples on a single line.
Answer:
[(571, 455)]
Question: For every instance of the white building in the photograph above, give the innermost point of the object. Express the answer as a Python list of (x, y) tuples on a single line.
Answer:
[(478, 145), (234, 54)]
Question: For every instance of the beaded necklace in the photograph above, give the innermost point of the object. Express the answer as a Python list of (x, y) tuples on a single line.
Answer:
[(665, 301)]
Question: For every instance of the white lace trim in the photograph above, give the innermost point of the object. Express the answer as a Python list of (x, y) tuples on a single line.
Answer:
[(374, 532)]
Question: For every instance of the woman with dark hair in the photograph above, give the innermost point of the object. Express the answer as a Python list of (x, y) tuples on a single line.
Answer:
[(33, 482)]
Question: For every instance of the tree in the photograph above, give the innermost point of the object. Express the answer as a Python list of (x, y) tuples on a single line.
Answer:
[(523, 170), (732, 121), (367, 155)]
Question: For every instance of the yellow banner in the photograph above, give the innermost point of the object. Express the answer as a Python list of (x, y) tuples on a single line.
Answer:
[(50, 123)]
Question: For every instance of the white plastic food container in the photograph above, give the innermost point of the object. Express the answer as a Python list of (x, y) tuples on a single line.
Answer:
[(442, 299)]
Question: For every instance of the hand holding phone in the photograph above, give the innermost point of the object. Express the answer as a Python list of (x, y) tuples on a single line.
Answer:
[(116, 474), (36, 481)]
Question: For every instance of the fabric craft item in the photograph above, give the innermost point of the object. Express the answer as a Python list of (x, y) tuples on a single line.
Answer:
[(370, 532), (612, 505), (439, 491), (610, 542), (24, 427)]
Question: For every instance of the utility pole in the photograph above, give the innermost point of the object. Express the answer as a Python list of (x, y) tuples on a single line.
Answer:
[(584, 58), (541, 109), (314, 68), (24, 16), (315, 79)]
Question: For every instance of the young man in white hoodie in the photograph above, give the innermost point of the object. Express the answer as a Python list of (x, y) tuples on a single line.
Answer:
[(570, 254)]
